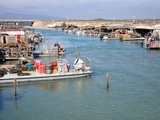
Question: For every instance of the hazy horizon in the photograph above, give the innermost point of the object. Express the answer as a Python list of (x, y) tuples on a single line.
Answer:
[(85, 9)]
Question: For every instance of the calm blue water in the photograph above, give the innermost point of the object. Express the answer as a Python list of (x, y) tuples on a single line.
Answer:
[(133, 94)]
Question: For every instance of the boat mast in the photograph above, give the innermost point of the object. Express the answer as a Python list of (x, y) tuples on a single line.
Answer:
[(77, 53)]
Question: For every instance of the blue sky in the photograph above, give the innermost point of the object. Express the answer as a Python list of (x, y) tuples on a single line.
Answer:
[(85, 9)]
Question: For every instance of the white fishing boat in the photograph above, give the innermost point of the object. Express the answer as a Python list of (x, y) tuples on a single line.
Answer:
[(33, 76), (50, 50), (105, 37), (58, 69), (109, 36), (151, 44), (153, 41)]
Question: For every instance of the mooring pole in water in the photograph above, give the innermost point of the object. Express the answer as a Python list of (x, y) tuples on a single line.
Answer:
[(107, 80), (58, 49), (15, 87)]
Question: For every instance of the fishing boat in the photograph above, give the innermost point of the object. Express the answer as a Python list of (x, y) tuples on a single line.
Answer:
[(106, 37), (50, 50), (152, 41), (131, 37), (58, 69), (34, 37), (151, 44)]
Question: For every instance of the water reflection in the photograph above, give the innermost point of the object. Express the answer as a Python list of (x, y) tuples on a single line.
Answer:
[(8, 98), (61, 86), (1, 100), (153, 51), (49, 86), (16, 103)]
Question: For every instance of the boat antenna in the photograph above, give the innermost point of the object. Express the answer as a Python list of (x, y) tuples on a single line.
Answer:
[(77, 54)]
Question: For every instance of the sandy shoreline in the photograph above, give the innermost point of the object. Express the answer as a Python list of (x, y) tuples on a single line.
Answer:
[(44, 24), (97, 28), (42, 28)]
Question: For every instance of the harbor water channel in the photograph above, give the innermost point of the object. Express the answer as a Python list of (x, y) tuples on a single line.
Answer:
[(133, 93)]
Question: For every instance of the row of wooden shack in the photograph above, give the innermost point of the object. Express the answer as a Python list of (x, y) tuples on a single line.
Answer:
[(110, 32), (16, 42)]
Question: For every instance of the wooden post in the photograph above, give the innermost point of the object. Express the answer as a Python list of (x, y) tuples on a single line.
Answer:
[(15, 88), (58, 49), (107, 80)]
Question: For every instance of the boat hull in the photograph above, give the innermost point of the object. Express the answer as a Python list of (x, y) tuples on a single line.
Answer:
[(47, 54), (35, 77), (132, 39), (110, 39)]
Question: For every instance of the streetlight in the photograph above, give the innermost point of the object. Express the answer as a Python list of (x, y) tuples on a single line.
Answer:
[(155, 20), (67, 18), (113, 19), (134, 18)]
